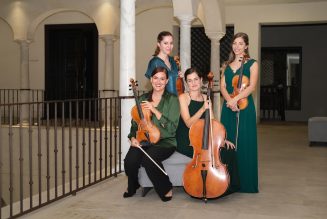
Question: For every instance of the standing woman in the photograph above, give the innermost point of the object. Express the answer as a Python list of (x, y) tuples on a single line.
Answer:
[(246, 130), (193, 105), (165, 114), (161, 57)]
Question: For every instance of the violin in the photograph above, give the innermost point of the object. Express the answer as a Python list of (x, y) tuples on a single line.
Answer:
[(206, 176), (179, 82), (147, 131), (240, 82)]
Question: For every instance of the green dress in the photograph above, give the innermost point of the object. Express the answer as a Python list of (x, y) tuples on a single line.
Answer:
[(182, 137), (247, 157), (228, 157)]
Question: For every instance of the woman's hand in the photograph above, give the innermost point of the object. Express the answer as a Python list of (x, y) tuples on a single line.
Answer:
[(229, 145), (180, 74), (148, 106), (232, 104), (206, 105), (135, 142)]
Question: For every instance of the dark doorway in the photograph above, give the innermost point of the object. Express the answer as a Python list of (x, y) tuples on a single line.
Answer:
[(71, 62), (280, 87)]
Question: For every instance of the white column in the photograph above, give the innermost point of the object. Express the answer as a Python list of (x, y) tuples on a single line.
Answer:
[(108, 77), (215, 68), (24, 79), (127, 66), (185, 41)]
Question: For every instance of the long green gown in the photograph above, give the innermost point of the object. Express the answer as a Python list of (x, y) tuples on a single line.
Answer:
[(228, 157), (247, 157)]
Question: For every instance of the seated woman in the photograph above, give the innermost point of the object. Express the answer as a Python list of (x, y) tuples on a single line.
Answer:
[(165, 115), (193, 105)]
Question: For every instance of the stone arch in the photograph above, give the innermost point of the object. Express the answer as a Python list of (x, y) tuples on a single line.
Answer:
[(38, 20), (211, 14), (184, 7), (8, 24), (147, 7)]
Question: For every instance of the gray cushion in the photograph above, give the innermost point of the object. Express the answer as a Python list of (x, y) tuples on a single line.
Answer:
[(174, 166), (317, 129)]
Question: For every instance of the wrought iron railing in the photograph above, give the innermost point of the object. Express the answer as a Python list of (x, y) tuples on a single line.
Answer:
[(53, 149)]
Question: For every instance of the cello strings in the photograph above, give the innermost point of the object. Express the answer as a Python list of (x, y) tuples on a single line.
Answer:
[(211, 138)]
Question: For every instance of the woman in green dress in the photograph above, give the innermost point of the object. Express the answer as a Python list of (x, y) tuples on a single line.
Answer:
[(161, 57), (242, 131), (193, 104)]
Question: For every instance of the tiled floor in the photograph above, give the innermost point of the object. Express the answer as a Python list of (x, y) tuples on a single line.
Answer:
[(292, 179)]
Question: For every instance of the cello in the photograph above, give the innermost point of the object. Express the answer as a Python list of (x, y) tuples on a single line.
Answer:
[(206, 176)]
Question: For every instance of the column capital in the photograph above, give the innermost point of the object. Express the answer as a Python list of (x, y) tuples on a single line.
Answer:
[(25, 42), (108, 38), (185, 18), (215, 35)]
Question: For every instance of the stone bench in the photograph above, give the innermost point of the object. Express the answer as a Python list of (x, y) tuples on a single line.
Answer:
[(174, 166), (317, 130)]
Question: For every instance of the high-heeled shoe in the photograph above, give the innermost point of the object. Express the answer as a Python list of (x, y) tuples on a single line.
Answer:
[(128, 194), (166, 198)]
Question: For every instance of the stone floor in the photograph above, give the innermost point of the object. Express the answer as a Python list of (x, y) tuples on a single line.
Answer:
[(292, 184)]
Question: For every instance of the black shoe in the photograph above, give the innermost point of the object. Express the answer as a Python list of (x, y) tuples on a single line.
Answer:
[(166, 199), (128, 194)]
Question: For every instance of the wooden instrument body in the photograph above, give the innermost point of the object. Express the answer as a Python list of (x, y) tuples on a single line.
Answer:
[(206, 176), (179, 81), (145, 126), (242, 103), (147, 131), (217, 177)]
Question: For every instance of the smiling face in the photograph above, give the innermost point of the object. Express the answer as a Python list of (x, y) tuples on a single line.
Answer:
[(193, 81), (239, 46), (159, 81), (166, 45)]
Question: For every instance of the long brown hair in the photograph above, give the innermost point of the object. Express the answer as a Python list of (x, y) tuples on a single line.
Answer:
[(160, 37), (245, 37)]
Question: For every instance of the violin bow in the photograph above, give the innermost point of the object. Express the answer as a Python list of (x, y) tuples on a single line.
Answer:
[(164, 172), (238, 112)]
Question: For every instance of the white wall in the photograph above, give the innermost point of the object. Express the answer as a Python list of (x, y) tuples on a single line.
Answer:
[(249, 18), (9, 61), (24, 19), (314, 73), (37, 59), (148, 25)]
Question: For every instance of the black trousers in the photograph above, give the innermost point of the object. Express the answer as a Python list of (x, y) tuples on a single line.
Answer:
[(135, 158)]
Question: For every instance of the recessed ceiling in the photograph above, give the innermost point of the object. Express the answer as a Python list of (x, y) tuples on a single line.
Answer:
[(261, 2), (233, 2)]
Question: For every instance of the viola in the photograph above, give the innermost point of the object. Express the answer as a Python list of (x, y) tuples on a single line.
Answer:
[(240, 82), (179, 82), (147, 131), (206, 176)]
